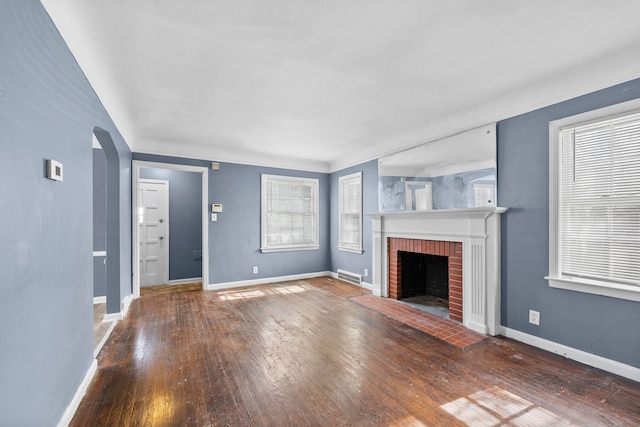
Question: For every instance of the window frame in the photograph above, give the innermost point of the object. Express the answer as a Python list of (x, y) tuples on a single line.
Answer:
[(315, 245), (342, 182), (555, 278)]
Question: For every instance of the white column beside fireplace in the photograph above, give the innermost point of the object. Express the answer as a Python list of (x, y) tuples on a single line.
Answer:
[(478, 229)]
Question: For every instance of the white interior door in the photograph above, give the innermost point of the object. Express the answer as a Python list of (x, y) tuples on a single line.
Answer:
[(153, 224), (418, 195)]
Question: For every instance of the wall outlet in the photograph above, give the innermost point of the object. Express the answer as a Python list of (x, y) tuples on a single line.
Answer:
[(534, 317), (255, 269), (366, 272)]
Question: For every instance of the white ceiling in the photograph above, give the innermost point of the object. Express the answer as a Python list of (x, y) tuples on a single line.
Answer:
[(321, 85)]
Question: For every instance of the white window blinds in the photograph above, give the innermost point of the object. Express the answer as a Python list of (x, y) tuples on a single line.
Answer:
[(351, 212), (289, 213), (600, 200)]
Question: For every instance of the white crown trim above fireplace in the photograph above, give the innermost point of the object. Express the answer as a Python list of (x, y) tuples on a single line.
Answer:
[(478, 229)]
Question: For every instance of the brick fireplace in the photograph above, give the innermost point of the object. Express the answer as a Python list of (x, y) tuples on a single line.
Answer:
[(470, 238), (451, 250)]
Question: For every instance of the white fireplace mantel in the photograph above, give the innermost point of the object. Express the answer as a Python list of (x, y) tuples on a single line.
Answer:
[(478, 229)]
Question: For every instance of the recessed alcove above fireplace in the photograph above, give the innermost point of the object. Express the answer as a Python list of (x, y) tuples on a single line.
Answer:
[(469, 238)]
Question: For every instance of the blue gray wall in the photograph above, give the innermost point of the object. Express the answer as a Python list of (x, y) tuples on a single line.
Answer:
[(99, 222), (234, 240), (185, 221), (604, 326), (352, 262), (48, 110)]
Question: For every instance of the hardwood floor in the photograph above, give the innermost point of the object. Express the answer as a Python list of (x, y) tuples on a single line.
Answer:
[(302, 353)]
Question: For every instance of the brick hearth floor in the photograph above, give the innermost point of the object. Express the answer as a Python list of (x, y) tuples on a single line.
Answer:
[(447, 330)]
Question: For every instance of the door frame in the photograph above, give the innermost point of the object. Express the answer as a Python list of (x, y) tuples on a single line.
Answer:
[(167, 225), (204, 172)]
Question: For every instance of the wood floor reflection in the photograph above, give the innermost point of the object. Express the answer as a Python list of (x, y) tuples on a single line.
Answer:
[(302, 353)]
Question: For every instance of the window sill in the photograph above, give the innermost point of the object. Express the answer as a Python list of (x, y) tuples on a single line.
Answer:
[(352, 250), (290, 249), (628, 292)]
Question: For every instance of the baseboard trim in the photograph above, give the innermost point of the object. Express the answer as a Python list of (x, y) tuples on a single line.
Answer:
[(242, 283), (126, 304), (110, 317), (100, 300), (181, 281), (68, 414), (104, 338), (581, 356)]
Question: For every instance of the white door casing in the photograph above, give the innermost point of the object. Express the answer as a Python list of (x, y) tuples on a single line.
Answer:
[(153, 226)]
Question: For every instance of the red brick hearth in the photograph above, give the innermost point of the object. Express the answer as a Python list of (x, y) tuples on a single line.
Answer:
[(452, 250)]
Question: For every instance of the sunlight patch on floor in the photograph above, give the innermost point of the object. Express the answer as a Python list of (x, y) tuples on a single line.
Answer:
[(498, 407), (257, 293)]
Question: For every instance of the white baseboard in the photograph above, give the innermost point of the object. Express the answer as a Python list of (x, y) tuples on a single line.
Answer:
[(241, 283), (100, 300), (77, 397), (104, 338), (124, 308), (126, 304), (181, 281), (590, 359), (110, 317)]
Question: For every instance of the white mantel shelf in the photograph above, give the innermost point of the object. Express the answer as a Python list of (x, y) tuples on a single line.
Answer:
[(469, 212), (478, 229)]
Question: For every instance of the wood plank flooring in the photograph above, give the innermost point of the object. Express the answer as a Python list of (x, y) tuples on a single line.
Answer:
[(303, 354)]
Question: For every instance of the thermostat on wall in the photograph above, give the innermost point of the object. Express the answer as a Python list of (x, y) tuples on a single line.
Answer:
[(54, 170), (216, 207)]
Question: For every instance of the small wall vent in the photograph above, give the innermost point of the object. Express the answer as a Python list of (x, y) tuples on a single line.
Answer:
[(356, 279)]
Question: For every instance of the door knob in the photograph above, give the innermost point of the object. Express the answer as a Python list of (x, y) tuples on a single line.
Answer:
[(161, 237)]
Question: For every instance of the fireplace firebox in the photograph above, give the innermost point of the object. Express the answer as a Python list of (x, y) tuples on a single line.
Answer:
[(424, 275)]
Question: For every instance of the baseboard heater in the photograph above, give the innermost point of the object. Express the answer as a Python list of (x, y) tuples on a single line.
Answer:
[(356, 279)]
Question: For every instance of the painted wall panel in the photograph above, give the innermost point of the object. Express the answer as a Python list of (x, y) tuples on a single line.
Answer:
[(185, 220), (352, 262), (603, 326), (234, 239), (47, 110)]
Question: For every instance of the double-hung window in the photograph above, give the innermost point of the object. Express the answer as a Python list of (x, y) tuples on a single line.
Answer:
[(289, 213), (595, 202), (350, 220)]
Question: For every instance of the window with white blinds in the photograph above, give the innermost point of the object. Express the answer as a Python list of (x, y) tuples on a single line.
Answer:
[(350, 213), (597, 207), (289, 213)]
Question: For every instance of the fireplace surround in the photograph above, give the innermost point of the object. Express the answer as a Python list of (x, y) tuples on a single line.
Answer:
[(471, 240)]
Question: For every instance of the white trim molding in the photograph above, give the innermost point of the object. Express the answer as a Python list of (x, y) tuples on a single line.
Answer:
[(182, 281), (124, 308), (137, 165), (104, 338), (68, 414), (99, 253), (111, 317), (556, 278), (126, 303), (589, 359), (254, 282), (100, 300)]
